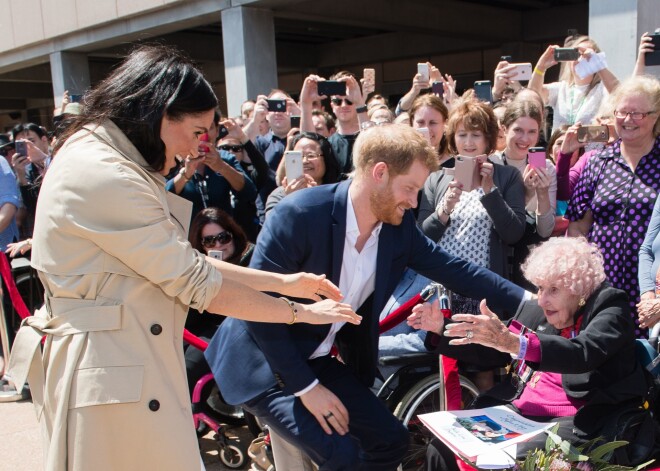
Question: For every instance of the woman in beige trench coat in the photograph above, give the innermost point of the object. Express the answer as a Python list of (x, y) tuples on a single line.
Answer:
[(119, 275)]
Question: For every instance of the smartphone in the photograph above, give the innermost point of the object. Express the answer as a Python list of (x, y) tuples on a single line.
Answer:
[(278, 106), (653, 58), (425, 132), (506, 58), (593, 134), (483, 89), (424, 70), (464, 171), (293, 165), (75, 98), (217, 254), (566, 54), (21, 148), (438, 89), (369, 76), (295, 121), (331, 87), (523, 71), (536, 157), (222, 131)]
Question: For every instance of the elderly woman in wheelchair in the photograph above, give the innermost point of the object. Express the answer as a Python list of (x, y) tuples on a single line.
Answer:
[(571, 351)]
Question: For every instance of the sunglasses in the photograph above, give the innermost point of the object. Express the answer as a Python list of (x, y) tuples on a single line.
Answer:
[(228, 148), (339, 101), (224, 238)]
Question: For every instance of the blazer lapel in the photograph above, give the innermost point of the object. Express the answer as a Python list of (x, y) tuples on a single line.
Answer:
[(383, 264), (339, 229)]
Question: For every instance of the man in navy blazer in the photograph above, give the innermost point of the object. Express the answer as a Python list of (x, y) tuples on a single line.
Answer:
[(362, 235)]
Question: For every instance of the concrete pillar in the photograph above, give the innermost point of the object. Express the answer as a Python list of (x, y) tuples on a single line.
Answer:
[(70, 71), (248, 36), (617, 25)]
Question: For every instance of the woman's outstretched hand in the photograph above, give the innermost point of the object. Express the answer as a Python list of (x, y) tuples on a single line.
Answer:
[(310, 286), (327, 312)]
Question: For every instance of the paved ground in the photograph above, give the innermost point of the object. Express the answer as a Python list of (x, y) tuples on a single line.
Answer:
[(20, 441)]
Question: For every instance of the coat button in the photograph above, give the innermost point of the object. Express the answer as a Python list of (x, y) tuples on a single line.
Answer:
[(154, 405), (156, 329)]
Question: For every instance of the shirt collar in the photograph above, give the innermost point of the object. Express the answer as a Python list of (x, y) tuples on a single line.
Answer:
[(351, 221)]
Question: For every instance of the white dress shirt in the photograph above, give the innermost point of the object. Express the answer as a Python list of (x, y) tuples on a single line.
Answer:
[(357, 279)]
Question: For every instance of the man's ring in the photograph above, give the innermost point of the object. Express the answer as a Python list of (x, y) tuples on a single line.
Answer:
[(328, 415), (469, 334)]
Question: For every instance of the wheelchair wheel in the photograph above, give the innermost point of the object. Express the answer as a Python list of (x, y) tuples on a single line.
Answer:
[(424, 397), (231, 455)]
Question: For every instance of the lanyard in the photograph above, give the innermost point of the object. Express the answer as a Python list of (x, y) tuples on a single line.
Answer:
[(572, 116), (200, 184)]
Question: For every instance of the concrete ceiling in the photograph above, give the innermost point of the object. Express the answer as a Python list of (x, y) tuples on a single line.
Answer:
[(328, 34)]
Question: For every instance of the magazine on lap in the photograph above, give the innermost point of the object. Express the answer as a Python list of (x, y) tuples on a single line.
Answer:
[(483, 434)]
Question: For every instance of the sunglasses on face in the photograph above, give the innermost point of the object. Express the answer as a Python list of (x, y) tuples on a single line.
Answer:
[(340, 101), (230, 148), (224, 238)]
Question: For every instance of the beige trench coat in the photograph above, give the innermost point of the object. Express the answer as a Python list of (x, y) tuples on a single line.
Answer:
[(110, 247)]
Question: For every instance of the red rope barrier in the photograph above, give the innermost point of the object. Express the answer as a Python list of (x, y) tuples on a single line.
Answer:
[(14, 295)]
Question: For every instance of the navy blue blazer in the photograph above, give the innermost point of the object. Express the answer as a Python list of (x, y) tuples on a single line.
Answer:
[(306, 232)]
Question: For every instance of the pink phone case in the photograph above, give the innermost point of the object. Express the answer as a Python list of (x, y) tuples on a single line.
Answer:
[(536, 160)]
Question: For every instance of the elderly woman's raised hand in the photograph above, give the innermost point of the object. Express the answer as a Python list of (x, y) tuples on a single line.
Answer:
[(310, 286), (485, 329), (427, 316)]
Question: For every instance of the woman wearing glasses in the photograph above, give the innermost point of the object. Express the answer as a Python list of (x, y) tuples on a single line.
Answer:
[(212, 229), (319, 167), (613, 200)]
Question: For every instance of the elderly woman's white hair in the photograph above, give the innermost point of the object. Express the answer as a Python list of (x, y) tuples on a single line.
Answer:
[(566, 262)]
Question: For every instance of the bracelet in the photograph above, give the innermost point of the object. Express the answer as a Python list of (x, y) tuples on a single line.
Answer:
[(182, 173), (540, 72), (443, 206), (294, 311), (361, 109)]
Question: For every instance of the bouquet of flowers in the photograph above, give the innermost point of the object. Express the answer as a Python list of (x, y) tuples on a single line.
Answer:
[(560, 455)]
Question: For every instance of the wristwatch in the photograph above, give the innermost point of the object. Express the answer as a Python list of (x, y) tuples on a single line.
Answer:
[(361, 109)]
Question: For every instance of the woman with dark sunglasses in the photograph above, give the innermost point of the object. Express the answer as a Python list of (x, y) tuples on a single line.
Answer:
[(212, 229)]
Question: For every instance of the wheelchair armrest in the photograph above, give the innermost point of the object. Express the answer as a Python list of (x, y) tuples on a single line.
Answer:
[(421, 358)]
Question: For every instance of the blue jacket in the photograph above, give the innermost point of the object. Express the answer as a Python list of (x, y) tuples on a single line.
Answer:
[(306, 232)]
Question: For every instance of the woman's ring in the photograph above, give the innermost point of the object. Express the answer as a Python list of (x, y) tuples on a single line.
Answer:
[(328, 415), (469, 334)]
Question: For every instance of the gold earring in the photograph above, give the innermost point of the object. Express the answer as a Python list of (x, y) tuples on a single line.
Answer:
[(581, 302)]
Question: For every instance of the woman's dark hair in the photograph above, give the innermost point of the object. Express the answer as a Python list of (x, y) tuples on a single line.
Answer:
[(332, 171), (153, 81), (221, 218)]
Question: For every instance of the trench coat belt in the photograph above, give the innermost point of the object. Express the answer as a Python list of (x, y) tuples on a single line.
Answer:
[(58, 318)]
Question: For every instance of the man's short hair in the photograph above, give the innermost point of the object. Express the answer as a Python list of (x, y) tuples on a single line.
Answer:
[(329, 120), (397, 145), (19, 128), (341, 74)]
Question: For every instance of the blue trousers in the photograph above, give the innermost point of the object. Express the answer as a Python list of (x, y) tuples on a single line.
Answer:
[(376, 439)]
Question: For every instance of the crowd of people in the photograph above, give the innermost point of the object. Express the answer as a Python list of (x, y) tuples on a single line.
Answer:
[(439, 187)]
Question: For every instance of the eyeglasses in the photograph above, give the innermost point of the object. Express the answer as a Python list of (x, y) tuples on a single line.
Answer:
[(635, 115), (228, 148), (340, 101), (224, 238), (311, 156)]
